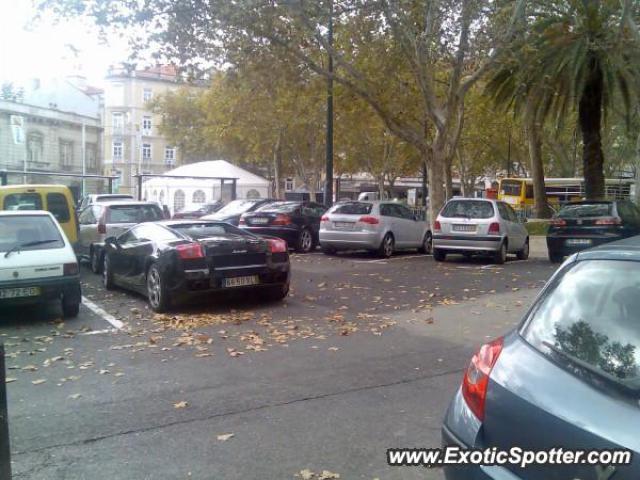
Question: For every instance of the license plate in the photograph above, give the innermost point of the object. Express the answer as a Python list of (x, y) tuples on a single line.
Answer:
[(19, 292), (578, 242), (259, 221), (343, 225), (464, 228), (241, 281)]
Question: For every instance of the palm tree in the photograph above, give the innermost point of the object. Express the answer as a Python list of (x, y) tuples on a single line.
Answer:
[(579, 55)]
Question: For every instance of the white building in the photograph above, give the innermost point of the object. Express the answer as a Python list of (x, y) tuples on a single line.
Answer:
[(180, 192)]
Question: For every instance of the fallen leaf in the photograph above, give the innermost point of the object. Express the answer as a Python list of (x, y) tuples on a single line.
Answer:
[(182, 404), (327, 475), (39, 381), (75, 396), (306, 474), (10, 379), (225, 436)]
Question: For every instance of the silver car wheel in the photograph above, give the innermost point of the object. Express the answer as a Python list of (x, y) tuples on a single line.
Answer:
[(388, 246), (154, 287), (306, 241)]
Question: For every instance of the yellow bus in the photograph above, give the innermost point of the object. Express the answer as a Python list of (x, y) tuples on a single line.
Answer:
[(518, 192)]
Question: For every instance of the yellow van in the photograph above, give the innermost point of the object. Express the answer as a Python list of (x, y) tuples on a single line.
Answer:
[(57, 199)]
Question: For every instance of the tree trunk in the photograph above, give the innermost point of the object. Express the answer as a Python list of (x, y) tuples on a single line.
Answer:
[(532, 128), (381, 186), (637, 185), (277, 167), (436, 180), (590, 117), (448, 180)]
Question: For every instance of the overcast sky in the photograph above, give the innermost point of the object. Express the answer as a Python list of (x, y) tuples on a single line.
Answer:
[(42, 51)]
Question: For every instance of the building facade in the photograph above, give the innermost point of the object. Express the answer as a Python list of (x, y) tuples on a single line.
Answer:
[(52, 129), (132, 142)]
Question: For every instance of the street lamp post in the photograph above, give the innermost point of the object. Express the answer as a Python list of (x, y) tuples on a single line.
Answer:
[(328, 186)]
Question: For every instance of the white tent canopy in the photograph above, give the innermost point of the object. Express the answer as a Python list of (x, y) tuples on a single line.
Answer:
[(178, 193)]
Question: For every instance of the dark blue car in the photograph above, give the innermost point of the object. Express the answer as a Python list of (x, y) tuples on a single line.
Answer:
[(568, 376)]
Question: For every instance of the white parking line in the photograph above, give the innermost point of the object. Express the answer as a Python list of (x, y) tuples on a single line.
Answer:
[(102, 313)]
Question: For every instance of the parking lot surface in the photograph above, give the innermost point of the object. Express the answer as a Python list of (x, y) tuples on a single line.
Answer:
[(363, 355)]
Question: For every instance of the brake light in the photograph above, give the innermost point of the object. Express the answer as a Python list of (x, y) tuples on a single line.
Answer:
[(281, 219), (324, 218), (558, 222), (190, 251), (70, 269), (476, 378), (609, 221), (102, 227), (494, 227), (242, 221), (277, 245), (437, 227), (369, 220)]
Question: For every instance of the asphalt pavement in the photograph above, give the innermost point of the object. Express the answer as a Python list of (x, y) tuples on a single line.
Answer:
[(363, 356)]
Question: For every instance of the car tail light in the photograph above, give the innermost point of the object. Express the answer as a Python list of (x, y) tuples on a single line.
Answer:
[(609, 221), (281, 219), (494, 227), (476, 378), (437, 227), (369, 220), (324, 218), (242, 221), (102, 228), (558, 222), (70, 269), (189, 251), (277, 245)]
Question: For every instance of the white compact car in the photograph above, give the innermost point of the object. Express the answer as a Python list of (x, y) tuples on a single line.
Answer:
[(37, 262)]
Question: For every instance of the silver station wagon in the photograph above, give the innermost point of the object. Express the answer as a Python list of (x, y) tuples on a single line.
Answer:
[(377, 226), (479, 226)]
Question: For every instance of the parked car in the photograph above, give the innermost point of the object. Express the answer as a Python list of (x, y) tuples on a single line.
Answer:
[(56, 199), (173, 261), (103, 198), (232, 211), (103, 220), (37, 262), (568, 376), (296, 222), (381, 227), (582, 225), (479, 226), (199, 210)]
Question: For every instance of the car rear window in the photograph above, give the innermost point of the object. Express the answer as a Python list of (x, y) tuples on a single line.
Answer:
[(511, 187), (23, 201), (16, 230), (284, 207), (353, 208), (590, 319), (134, 213), (58, 206), (237, 207), (205, 230), (583, 210), (468, 209)]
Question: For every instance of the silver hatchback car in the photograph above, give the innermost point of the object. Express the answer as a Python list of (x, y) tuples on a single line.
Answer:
[(479, 226), (378, 226)]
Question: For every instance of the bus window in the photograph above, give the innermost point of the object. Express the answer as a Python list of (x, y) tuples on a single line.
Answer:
[(511, 187), (529, 190)]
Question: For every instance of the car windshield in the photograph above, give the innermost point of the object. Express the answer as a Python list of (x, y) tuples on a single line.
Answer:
[(282, 207), (352, 208), (583, 210), (16, 231), (592, 315), (475, 209), (134, 214), (205, 230), (236, 207)]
